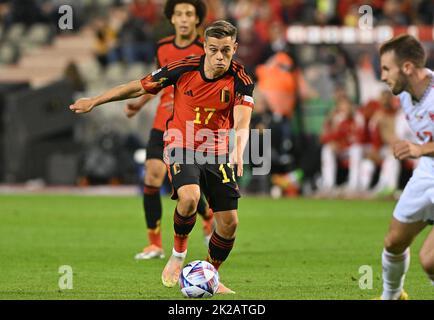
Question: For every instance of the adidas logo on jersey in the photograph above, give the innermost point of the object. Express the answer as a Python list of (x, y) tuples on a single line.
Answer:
[(189, 93)]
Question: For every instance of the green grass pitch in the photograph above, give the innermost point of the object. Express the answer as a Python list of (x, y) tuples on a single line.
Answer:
[(285, 249)]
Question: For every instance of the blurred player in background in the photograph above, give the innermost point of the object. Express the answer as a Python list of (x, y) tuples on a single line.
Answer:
[(403, 69), (213, 95), (383, 128), (186, 16), (340, 132)]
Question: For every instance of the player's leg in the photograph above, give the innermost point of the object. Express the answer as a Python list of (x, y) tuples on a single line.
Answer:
[(155, 172), (223, 194), (185, 179), (355, 155), (389, 174), (396, 257), (408, 221), (367, 170), (207, 215), (154, 178), (183, 222), (222, 241), (426, 256), (223, 237), (328, 167)]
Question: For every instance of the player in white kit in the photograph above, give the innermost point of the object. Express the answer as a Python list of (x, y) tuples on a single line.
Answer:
[(403, 69)]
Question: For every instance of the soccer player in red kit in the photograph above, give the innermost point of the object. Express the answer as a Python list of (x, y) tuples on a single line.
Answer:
[(213, 96), (186, 16)]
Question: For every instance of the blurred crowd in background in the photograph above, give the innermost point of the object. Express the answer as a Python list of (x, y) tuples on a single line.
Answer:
[(332, 121)]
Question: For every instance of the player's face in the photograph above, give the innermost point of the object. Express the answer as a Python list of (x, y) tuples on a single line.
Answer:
[(184, 19), (392, 74), (219, 53)]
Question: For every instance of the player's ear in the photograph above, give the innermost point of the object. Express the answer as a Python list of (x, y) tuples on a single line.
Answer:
[(235, 46), (407, 67)]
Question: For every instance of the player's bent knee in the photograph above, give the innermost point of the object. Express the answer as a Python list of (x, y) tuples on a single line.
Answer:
[(188, 201), (154, 180), (227, 228), (155, 173), (394, 245), (187, 206)]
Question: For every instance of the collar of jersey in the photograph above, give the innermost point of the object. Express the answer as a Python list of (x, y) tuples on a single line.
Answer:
[(187, 46), (427, 91)]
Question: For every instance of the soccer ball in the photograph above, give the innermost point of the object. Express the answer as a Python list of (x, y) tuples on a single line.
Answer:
[(199, 279)]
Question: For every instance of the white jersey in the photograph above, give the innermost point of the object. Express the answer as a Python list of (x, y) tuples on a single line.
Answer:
[(417, 200), (420, 117)]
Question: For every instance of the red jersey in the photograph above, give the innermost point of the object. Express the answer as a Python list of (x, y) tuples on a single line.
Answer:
[(203, 108), (341, 131), (167, 52)]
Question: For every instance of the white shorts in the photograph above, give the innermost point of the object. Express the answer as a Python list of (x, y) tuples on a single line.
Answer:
[(417, 200)]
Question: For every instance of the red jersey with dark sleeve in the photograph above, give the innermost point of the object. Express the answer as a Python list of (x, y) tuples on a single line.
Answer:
[(203, 108), (167, 52)]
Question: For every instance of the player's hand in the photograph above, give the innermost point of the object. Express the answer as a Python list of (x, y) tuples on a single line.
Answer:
[(405, 150), (234, 159), (240, 164), (82, 105), (131, 109)]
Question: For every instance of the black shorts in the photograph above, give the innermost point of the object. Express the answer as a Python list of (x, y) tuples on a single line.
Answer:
[(217, 181), (155, 146)]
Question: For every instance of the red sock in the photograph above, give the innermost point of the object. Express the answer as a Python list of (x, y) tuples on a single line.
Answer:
[(180, 243), (182, 226), (154, 236)]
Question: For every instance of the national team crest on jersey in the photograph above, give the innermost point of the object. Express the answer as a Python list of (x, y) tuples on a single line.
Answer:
[(225, 95), (176, 168)]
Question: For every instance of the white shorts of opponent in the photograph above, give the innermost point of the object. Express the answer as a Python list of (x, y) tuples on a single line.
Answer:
[(417, 200)]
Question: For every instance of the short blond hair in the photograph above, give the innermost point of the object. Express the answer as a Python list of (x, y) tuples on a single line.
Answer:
[(221, 29)]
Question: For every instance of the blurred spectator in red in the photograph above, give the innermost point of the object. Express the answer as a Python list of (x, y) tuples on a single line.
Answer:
[(339, 133), (241, 9), (374, 150), (297, 11), (383, 130), (146, 10), (251, 50), (394, 14), (359, 174), (216, 11), (267, 13)]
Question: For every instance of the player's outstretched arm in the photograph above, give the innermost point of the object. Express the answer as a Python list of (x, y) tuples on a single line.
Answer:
[(242, 115), (129, 90)]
